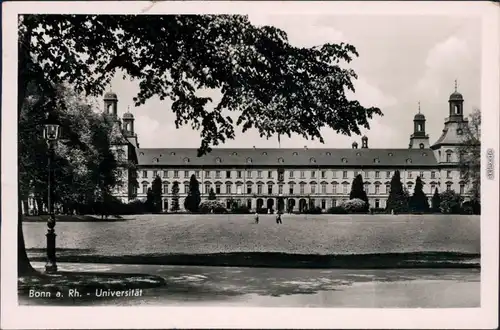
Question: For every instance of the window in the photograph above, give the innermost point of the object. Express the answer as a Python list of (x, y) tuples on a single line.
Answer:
[(390, 154), (228, 188), (448, 157), (334, 188), (281, 175), (345, 188), (269, 174), (238, 174), (269, 189), (448, 186), (239, 189), (377, 189), (235, 153), (377, 174), (217, 189), (462, 189), (344, 174), (387, 188), (218, 160), (421, 146), (207, 174), (459, 131), (461, 175), (295, 153), (280, 160), (323, 174), (197, 173), (377, 203), (408, 161), (312, 160), (155, 174), (259, 189), (376, 160), (313, 174), (344, 160), (264, 153), (186, 160), (144, 174), (228, 174), (217, 174), (144, 188), (334, 202), (388, 174), (313, 189), (186, 174), (249, 174), (323, 204), (448, 174), (421, 174), (207, 188), (165, 174), (249, 188), (186, 188), (290, 174), (433, 174), (280, 189), (165, 188), (302, 188), (409, 175), (367, 174), (176, 174), (334, 174), (410, 188), (290, 189), (433, 188), (366, 187), (259, 174), (249, 160), (302, 174), (323, 188)]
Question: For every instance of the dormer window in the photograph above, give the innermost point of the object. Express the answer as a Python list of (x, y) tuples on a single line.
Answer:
[(235, 153), (264, 153), (280, 160), (172, 153), (358, 154), (459, 131), (249, 160), (390, 154), (424, 154), (328, 153), (376, 160), (186, 160), (156, 160), (295, 153), (408, 161), (344, 160), (421, 146), (312, 160), (141, 153), (218, 160)]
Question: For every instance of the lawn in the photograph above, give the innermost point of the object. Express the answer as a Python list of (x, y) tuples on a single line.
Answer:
[(314, 234)]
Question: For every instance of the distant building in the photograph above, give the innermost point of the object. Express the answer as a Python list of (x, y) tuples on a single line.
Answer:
[(258, 177)]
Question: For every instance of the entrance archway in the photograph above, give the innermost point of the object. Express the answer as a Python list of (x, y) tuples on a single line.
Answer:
[(291, 205), (302, 205), (270, 203), (260, 203), (281, 204), (165, 205)]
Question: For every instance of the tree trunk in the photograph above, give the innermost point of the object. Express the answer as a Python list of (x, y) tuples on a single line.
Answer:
[(23, 263)]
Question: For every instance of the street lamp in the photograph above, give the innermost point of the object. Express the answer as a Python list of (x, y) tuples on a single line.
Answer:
[(51, 133)]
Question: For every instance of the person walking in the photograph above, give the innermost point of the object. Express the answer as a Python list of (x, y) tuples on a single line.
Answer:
[(256, 217), (278, 218)]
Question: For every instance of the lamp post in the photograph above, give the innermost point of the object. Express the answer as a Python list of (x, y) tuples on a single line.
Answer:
[(51, 133)]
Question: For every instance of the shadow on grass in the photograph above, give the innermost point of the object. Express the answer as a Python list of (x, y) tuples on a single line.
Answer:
[(73, 218), (279, 260)]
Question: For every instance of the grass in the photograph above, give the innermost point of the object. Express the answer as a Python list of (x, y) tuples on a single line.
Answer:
[(236, 240)]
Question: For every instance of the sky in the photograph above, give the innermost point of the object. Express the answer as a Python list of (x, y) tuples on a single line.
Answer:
[(403, 60)]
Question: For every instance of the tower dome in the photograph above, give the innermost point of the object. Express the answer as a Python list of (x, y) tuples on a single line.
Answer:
[(364, 138), (128, 115), (110, 96), (419, 116), (456, 96)]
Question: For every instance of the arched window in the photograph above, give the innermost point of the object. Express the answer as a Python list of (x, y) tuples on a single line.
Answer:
[(419, 127), (280, 160), (235, 153), (344, 160), (421, 145), (408, 161), (172, 153), (448, 156)]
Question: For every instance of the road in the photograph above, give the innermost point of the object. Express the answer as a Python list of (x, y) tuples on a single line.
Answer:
[(277, 287)]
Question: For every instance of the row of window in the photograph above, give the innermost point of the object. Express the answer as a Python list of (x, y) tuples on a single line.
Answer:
[(324, 189), (323, 174)]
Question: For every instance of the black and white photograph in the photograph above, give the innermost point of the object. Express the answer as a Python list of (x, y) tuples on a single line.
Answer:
[(288, 159)]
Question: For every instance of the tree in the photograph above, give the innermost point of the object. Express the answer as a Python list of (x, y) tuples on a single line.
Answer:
[(358, 191), (398, 199), (418, 201), (149, 201), (436, 201), (274, 87), (470, 156), (211, 195), (157, 192), (193, 199), (175, 197), (451, 202)]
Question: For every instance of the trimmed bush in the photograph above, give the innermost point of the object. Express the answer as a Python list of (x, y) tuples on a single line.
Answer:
[(377, 210), (262, 210), (314, 210), (243, 209), (336, 210), (212, 206), (355, 205)]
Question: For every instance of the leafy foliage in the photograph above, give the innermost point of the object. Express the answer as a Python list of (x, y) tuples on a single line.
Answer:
[(355, 205), (175, 197), (450, 202), (357, 190), (436, 201), (275, 87), (398, 197), (212, 206), (419, 202), (470, 155), (193, 199), (156, 190)]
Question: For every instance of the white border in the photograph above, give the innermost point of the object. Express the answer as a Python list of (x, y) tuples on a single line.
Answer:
[(13, 316)]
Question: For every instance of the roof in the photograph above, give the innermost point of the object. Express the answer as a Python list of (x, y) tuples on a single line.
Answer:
[(456, 96), (419, 116), (128, 115), (110, 96), (287, 157), (450, 134)]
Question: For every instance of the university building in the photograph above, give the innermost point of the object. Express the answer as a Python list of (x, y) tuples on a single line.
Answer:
[(299, 177)]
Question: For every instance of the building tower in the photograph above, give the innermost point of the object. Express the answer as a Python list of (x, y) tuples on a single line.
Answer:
[(364, 142), (111, 104), (419, 140), (128, 128)]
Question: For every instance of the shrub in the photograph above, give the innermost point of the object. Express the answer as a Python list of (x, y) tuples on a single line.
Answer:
[(314, 210), (354, 206), (450, 202), (243, 209), (212, 206), (336, 210), (377, 210), (262, 210)]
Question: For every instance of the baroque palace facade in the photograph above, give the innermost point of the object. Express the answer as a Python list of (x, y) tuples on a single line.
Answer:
[(300, 177)]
